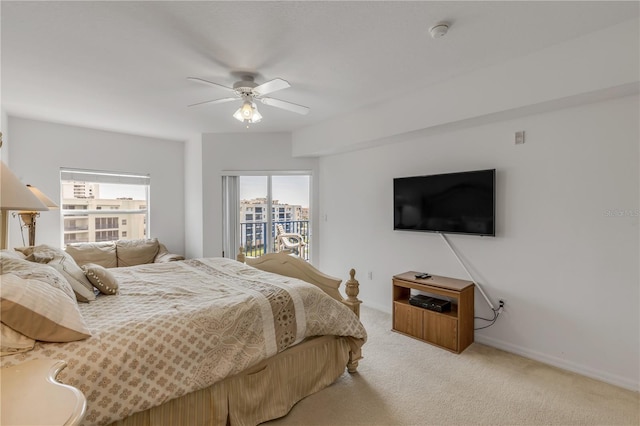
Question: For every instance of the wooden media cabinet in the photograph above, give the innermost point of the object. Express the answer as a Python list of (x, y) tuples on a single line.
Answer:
[(451, 330)]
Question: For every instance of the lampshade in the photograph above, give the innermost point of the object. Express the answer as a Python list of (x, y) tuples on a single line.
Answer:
[(256, 114), (14, 195), (238, 115), (43, 198)]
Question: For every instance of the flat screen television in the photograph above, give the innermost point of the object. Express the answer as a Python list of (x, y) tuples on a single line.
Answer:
[(455, 203)]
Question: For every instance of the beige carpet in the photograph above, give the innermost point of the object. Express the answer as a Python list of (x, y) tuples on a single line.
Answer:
[(403, 381)]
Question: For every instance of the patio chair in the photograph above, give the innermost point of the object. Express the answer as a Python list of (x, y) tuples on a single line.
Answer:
[(288, 241)]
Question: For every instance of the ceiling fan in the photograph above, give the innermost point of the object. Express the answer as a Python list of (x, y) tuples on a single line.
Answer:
[(248, 91)]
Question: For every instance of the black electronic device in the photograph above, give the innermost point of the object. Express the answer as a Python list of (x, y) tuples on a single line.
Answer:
[(430, 303), (459, 203), (422, 275)]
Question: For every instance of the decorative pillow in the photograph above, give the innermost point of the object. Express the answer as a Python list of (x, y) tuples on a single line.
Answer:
[(39, 311), (31, 270), (101, 278), (39, 258), (12, 342), (65, 264), (103, 254), (136, 252)]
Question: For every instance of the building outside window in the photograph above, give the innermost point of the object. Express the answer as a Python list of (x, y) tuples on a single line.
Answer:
[(104, 206), (107, 223), (293, 218), (106, 236)]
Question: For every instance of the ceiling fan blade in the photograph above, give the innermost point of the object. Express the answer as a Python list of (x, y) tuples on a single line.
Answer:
[(271, 86), (289, 106), (209, 83), (215, 101)]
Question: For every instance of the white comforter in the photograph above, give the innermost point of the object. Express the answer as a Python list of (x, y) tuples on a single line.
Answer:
[(181, 326)]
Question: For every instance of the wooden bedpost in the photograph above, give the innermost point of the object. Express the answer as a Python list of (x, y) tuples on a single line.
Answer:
[(353, 289), (240, 257)]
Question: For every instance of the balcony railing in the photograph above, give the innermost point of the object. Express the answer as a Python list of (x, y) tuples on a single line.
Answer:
[(76, 228), (253, 236), (68, 240)]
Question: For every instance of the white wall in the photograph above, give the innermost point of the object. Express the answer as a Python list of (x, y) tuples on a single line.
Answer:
[(247, 152), (194, 235), (567, 270), (39, 149), (4, 128)]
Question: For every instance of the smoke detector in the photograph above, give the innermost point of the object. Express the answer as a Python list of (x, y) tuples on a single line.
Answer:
[(439, 30)]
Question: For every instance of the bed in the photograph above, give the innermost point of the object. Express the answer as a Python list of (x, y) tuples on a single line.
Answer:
[(209, 341)]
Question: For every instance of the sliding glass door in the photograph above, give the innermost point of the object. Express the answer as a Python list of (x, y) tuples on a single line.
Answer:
[(267, 213)]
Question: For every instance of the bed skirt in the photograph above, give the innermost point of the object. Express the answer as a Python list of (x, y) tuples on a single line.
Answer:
[(264, 392)]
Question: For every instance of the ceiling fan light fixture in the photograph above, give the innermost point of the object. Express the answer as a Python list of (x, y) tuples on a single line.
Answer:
[(248, 113), (247, 110), (248, 91)]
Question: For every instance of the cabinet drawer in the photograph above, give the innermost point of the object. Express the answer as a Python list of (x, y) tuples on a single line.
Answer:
[(408, 319), (440, 329)]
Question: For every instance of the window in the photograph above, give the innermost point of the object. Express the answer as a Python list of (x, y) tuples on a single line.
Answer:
[(103, 206), (253, 206)]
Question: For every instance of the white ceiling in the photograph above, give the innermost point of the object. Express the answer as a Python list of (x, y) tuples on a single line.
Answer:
[(122, 66)]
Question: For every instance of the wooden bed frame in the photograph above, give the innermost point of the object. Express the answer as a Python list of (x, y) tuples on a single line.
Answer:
[(283, 263), (246, 398)]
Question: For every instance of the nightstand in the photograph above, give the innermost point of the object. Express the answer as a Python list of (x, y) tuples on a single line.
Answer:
[(30, 395)]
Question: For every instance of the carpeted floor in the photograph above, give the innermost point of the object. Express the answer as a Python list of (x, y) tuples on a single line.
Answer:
[(402, 381)]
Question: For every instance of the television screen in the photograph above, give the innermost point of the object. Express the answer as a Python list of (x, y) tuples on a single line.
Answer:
[(457, 203)]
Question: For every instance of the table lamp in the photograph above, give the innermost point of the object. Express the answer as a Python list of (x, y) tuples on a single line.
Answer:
[(14, 195)]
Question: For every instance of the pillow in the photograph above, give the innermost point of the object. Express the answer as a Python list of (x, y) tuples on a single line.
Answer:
[(12, 342), (30, 270), (39, 311), (136, 252), (103, 254), (101, 278), (64, 263), (11, 253), (39, 258), (164, 255)]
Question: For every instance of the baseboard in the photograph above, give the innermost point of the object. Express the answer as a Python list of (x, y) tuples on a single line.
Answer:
[(603, 376)]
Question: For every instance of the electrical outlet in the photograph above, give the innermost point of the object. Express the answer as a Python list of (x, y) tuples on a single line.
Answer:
[(500, 306), (370, 275), (520, 137)]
